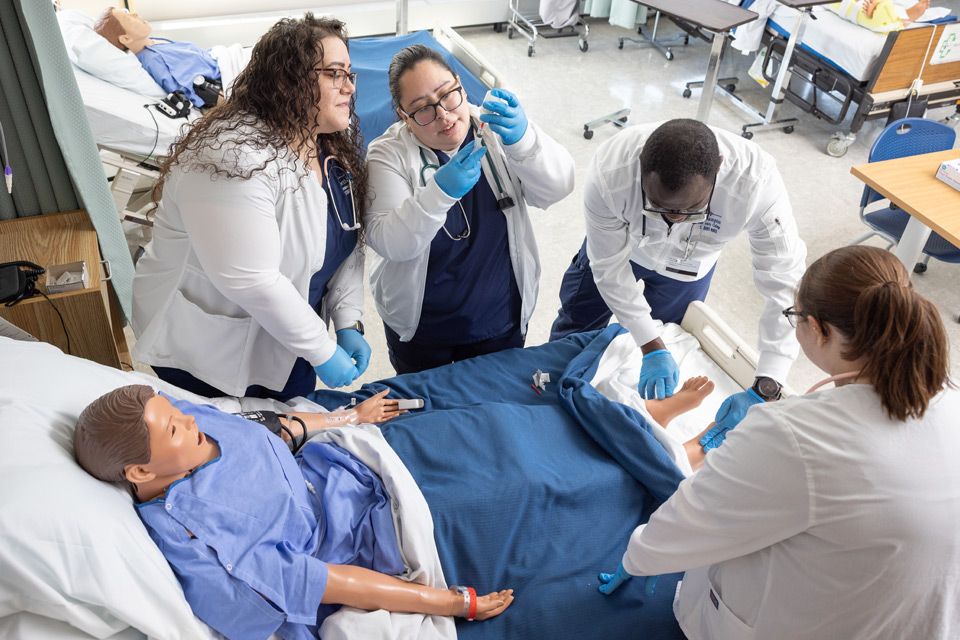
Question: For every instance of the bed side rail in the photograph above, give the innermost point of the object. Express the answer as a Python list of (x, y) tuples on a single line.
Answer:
[(906, 55), (723, 345), (467, 55)]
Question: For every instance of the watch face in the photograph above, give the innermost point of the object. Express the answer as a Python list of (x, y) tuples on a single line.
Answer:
[(768, 387)]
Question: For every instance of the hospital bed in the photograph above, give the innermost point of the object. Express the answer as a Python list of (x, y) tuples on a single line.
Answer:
[(841, 67), (528, 491)]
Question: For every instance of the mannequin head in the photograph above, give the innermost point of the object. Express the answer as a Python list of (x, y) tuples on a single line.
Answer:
[(123, 30), (419, 77), (136, 435)]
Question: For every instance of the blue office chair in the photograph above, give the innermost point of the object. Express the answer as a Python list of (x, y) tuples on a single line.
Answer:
[(901, 138)]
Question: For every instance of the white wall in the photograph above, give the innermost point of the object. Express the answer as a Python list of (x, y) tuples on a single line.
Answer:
[(244, 21)]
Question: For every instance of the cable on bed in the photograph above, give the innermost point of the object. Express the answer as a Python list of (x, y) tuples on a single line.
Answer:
[(156, 139)]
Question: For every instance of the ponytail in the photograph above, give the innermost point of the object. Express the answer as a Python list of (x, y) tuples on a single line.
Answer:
[(865, 293)]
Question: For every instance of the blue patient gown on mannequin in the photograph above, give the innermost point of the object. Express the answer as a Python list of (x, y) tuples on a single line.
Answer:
[(265, 524)]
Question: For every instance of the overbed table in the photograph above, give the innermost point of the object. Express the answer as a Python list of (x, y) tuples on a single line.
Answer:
[(911, 184)]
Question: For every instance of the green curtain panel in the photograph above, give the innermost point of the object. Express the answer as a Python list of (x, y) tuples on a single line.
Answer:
[(56, 166)]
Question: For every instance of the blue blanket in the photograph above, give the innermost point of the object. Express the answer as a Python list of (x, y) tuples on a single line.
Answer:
[(371, 58), (536, 493)]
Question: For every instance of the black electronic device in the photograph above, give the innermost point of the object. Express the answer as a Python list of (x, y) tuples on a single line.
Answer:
[(175, 105), (209, 90), (18, 281)]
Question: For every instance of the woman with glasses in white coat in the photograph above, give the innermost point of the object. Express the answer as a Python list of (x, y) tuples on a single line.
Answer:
[(456, 269), (258, 242), (834, 514)]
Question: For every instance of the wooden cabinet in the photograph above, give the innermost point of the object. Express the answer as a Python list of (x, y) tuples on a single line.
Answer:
[(90, 315)]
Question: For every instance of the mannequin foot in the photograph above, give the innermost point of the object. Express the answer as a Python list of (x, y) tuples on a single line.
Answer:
[(689, 396)]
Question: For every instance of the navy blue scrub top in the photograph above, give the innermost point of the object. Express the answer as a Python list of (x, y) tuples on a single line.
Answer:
[(471, 293)]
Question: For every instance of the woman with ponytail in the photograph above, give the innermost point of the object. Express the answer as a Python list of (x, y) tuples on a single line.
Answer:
[(834, 514)]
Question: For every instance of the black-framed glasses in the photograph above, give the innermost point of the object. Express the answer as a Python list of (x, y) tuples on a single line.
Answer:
[(691, 215), (794, 316), (428, 113), (339, 76)]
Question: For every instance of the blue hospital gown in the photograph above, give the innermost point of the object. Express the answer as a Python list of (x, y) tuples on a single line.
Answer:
[(260, 530), (174, 65)]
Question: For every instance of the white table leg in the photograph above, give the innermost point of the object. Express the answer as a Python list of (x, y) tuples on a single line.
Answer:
[(911, 243)]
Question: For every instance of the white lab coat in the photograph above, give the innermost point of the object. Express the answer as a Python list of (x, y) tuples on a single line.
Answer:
[(819, 517), (221, 291), (749, 197), (403, 216)]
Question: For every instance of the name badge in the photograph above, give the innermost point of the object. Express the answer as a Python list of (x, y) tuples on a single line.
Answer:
[(683, 267)]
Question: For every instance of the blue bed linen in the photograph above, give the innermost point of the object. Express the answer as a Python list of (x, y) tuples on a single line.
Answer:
[(371, 58), (528, 492)]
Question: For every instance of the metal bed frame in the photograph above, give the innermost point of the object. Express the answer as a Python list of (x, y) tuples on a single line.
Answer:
[(820, 88)]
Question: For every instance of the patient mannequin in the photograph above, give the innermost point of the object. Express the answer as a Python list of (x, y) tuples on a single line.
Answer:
[(880, 15), (174, 65), (222, 498)]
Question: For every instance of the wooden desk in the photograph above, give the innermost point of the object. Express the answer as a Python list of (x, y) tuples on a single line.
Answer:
[(911, 184), (90, 315)]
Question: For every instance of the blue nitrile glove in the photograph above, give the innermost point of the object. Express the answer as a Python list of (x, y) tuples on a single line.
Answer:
[(356, 347), (611, 581), (729, 415), (338, 371), (659, 375), (507, 119), (458, 176)]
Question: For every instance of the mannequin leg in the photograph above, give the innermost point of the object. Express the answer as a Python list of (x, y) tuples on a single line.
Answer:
[(688, 397)]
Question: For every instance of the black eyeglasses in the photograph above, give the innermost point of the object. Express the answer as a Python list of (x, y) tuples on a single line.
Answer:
[(339, 76), (428, 113), (691, 215), (793, 316)]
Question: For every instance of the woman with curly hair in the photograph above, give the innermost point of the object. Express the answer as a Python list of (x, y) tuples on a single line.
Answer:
[(258, 236)]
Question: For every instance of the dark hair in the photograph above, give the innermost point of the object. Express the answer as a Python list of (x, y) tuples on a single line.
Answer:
[(865, 294), (678, 150), (405, 60), (272, 106), (110, 28), (111, 433)]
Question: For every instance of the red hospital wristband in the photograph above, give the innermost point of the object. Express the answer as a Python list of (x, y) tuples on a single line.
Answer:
[(472, 614)]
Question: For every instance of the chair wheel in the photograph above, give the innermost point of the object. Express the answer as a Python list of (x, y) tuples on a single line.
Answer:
[(730, 87), (686, 40), (747, 134), (788, 129), (530, 51), (919, 268), (623, 119), (584, 45), (620, 46), (687, 93), (587, 133), (510, 33), (669, 54)]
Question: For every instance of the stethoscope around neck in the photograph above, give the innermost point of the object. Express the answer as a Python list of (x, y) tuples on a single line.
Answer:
[(688, 248), (348, 191), (504, 201)]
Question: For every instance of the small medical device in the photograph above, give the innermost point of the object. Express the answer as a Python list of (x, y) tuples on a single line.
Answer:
[(406, 405), (208, 90), (175, 105)]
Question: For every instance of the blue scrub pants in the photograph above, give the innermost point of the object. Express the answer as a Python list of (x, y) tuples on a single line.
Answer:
[(412, 356), (582, 308), (302, 381)]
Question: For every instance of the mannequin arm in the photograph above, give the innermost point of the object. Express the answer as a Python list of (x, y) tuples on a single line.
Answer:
[(370, 590), (373, 410)]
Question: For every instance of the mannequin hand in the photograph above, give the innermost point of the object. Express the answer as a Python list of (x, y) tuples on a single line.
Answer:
[(731, 412), (493, 604), (338, 371), (458, 176), (507, 119), (377, 409), (659, 375), (612, 581), (356, 347)]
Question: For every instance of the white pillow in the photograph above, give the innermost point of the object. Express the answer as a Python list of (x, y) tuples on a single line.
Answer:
[(73, 548), (91, 52)]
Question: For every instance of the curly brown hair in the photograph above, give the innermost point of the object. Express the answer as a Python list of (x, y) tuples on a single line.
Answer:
[(273, 108)]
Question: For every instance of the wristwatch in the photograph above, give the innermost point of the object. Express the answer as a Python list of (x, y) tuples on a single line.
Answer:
[(767, 388), (356, 326)]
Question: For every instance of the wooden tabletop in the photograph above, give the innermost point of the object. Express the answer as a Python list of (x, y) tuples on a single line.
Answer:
[(803, 4), (713, 15), (911, 183)]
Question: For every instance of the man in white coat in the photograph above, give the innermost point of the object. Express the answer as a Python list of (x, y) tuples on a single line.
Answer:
[(661, 201)]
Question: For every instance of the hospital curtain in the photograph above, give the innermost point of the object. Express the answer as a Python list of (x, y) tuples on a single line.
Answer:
[(53, 155)]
